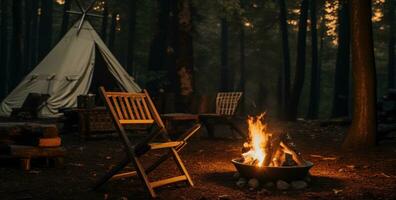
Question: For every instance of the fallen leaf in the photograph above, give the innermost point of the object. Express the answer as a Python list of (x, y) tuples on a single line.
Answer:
[(335, 191), (386, 175)]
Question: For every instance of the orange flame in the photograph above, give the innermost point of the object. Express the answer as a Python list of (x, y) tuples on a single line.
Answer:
[(258, 140)]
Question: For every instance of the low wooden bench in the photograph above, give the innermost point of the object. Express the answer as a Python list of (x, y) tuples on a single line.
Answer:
[(26, 153)]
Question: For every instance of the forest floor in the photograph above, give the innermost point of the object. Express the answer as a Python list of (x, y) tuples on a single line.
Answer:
[(335, 175)]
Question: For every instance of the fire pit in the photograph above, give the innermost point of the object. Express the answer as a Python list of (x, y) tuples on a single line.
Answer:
[(270, 173), (270, 156)]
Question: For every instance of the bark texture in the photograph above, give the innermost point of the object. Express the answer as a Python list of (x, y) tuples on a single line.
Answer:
[(16, 71), (299, 75), (285, 71), (361, 134), (45, 29), (391, 45), (224, 76), (341, 78), (313, 108), (131, 36), (65, 18), (3, 49)]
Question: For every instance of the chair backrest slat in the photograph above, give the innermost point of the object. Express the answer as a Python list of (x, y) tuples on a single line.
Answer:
[(148, 114), (126, 99), (123, 107), (135, 109), (132, 108), (142, 113), (117, 107), (227, 102)]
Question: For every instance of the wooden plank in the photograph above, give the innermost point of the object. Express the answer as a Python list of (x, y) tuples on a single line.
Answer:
[(112, 94), (181, 166), (123, 108), (138, 102), (168, 181), (136, 121), (156, 116), (165, 145), (148, 114), (117, 107), (143, 176), (135, 109), (123, 175), (126, 99), (50, 142)]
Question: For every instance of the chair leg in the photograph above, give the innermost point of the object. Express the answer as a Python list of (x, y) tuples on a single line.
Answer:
[(181, 166), (112, 172), (143, 176)]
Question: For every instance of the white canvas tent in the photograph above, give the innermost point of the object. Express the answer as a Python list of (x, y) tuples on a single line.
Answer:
[(67, 72)]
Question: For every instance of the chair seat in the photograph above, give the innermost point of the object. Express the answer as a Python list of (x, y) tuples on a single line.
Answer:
[(165, 145)]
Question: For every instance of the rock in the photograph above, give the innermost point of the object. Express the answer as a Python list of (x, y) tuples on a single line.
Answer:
[(269, 184), (352, 167), (282, 185), (253, 183), (236, 176), (341, 170), (224, 197), (241, 182), (299, 185), (264, 191), (308, 179)]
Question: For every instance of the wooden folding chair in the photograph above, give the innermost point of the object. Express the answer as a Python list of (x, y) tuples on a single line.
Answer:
[(226, 106), (138, 109)]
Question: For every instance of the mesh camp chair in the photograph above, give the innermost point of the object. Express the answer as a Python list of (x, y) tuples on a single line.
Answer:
[(226, 106), (138, 109)]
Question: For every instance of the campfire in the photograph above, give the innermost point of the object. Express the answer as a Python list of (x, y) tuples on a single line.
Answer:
[(270, 155), (265, 148)]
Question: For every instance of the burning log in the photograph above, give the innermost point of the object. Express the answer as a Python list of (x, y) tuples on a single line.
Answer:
[(295, 155), (268, 149)]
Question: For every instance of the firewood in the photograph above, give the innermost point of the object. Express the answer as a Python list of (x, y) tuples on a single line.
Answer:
[(296, 155), (277, 159), (274, 145), (49, 142)]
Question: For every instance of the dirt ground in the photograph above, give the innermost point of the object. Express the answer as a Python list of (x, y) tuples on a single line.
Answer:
[(336, 174)]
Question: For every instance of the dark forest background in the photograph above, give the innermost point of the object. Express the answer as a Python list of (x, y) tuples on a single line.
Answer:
[(261, 47)]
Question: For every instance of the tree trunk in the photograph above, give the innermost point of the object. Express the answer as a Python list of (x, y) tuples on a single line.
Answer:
[(242, 64), (131, 38), (285, 71), (362, 131), (224, 76), (103, 32), (3, 49), (341, 80), (45, 30), (313, 108), (65, 18), (17, 43), (113, 30), (391, 44), (28, 32), (300, 62), (35, 29), (184, 57)]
